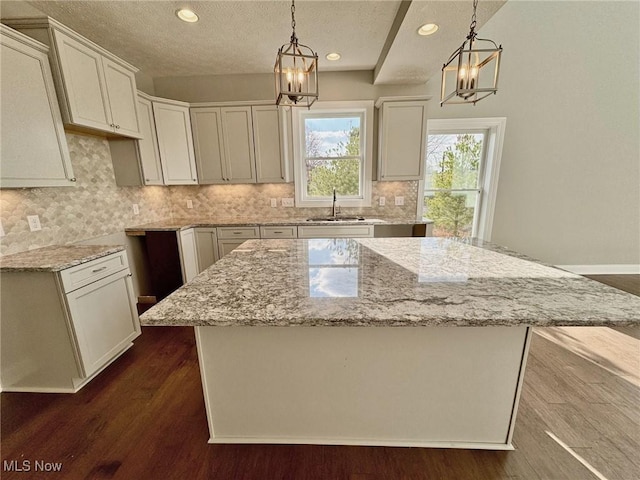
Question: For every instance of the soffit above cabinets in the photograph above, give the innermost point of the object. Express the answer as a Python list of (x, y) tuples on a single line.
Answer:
[(242, 37)]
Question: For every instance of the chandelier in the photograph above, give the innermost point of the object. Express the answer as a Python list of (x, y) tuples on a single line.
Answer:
[(296, 71), (471, 73)]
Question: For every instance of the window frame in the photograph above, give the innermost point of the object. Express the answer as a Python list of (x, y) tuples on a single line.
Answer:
[(364, 109), (494, 129)]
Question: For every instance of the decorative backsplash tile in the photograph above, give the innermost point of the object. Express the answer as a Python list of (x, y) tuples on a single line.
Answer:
[(96, 206)]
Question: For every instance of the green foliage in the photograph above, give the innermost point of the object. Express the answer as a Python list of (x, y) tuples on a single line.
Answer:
[(457, 169), (342, 174)]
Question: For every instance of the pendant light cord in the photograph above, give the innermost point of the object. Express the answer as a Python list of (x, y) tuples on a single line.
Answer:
[(294, 38), (472, 27)]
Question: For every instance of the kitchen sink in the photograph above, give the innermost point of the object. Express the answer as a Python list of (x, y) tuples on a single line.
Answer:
[(334, 219)]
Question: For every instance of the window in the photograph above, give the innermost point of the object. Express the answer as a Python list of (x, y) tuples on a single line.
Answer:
[(461, 176), (333, 144)]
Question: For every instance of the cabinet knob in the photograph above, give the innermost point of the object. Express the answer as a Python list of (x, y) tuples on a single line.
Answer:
[(117, 126), (72, 179)]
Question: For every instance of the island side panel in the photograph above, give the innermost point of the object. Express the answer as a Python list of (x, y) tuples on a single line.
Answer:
[(413, 386)]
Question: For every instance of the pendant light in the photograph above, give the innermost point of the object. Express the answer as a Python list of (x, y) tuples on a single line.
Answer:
[(471, 73), (296, 71)]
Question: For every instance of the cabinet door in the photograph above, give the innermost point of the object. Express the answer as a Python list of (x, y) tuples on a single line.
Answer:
[(207, 247), (104, 319), (148, 145), (121, 89), (175, 144), (188, 254), (403, 130), (86, 92), (268, 140), (208, 145), (239, 152), (30, 111)]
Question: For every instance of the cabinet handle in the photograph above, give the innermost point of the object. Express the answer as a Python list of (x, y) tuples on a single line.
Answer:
[(237, 233), (96, 270), (277, 232)]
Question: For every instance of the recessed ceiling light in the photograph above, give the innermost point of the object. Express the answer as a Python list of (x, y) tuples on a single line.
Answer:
[(187, 15), (333, 56), (428, 29)]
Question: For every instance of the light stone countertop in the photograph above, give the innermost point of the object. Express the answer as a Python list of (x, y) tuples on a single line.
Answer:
[(55, 258), (388, 282), (184, 223)]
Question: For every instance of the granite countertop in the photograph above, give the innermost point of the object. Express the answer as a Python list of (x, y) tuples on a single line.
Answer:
[(184, 223), (55, 257), (388, 282)]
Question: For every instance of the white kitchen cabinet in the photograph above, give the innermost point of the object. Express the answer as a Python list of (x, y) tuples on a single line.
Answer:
[(237, 132), (175, 142), (335, 231), (188, 254), (241, 144), (402, 140), (269, 143), (206, 247), (230, 238), (60, 329), (137, 162), (96, 89), (279, 231), (29, 111)]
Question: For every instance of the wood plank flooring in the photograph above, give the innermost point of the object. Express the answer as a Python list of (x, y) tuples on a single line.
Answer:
[(144, 418)]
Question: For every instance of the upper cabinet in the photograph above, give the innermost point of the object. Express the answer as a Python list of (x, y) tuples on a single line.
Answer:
[(33, 150), (96, 89), (402, 140), (175, 142), (240, 144)]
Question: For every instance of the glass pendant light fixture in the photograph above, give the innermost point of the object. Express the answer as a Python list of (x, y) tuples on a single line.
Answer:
[(471, 73), (296, 71)]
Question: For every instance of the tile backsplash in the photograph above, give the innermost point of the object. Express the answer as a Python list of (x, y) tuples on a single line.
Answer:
[(96, 206)]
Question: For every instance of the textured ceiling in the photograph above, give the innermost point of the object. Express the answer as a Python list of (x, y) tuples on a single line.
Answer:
[(242, 36)]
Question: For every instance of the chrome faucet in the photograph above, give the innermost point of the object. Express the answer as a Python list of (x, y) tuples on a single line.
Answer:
[(333, 205)]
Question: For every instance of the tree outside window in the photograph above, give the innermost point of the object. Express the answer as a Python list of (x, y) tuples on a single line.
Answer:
[(453, 183)]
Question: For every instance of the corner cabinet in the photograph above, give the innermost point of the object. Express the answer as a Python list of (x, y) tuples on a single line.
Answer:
[(96, 89), (240, 144), (29, 111), (60, 329), (402, 140)]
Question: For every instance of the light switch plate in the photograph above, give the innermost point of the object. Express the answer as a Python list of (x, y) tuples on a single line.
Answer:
[(274, 202), (34, 223), (399, 201), (136, 209), (382, 201), (189, 203), (287, 202)]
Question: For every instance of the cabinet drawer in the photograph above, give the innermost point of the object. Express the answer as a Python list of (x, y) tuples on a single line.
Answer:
[(81, 275), (279, 232), (238, 232), (335, 231)]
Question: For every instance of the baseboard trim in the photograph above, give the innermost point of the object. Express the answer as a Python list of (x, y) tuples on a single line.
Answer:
[(614, 269)]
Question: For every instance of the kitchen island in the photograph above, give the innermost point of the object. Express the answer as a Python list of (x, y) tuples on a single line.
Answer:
[(397, 341)]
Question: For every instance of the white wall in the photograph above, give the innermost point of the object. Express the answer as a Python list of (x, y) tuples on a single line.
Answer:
[(569, 189)]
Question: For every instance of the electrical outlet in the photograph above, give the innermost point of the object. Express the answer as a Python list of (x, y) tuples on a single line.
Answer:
[(274, 202), (399, 201), (382, 201), (287, 202), (34, 223), (136, 209), (189, 204), (2, 234)]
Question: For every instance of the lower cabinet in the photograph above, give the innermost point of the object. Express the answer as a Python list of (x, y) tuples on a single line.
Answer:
[(230, 238), (335, 231), (60, 329), (188, 254), (206, 247)]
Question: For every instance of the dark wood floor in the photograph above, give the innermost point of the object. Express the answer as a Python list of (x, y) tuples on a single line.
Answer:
[(144, 418)]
